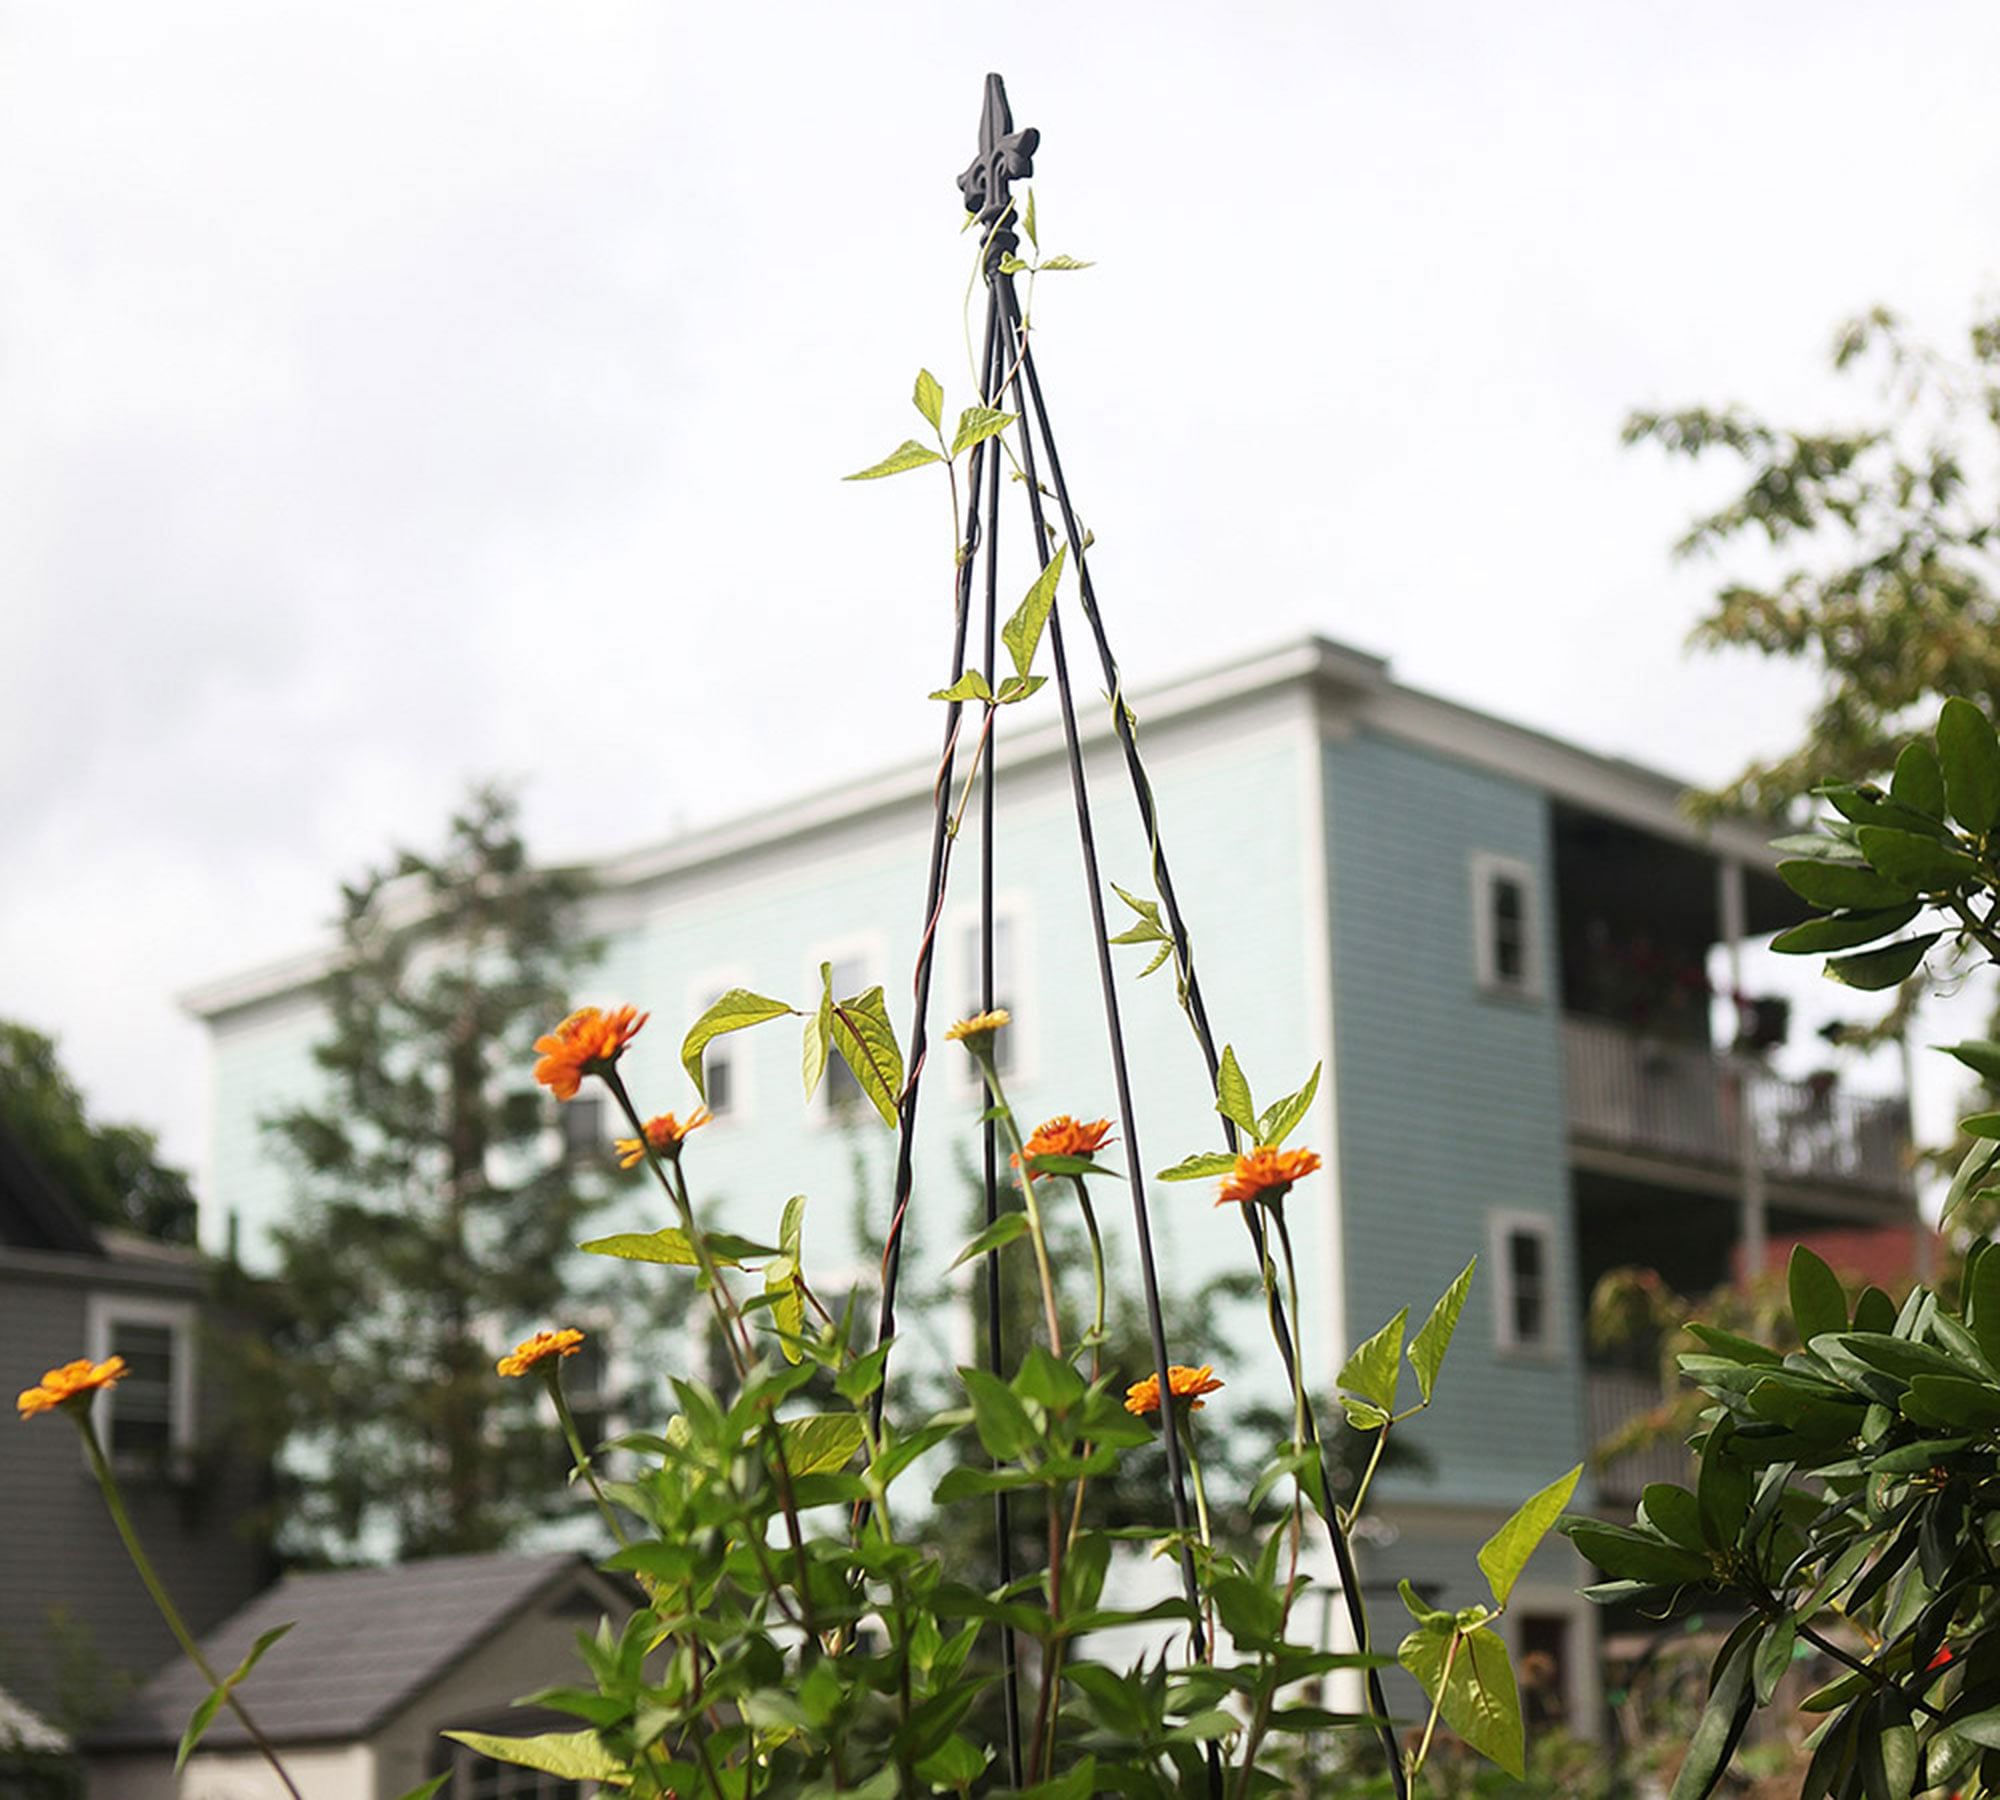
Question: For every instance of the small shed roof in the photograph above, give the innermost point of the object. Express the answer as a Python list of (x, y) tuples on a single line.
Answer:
[(365, 1643), (21, 1729)]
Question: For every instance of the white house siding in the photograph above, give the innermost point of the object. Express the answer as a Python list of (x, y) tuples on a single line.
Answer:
[(338, 1772)]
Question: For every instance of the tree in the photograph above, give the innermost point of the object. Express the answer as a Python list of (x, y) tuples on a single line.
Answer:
[(111, 1173), (1883, 540), (434, 1216)]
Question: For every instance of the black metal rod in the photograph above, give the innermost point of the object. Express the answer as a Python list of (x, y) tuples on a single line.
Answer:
[(1142, 790), (1107, 982), (996, 1348)]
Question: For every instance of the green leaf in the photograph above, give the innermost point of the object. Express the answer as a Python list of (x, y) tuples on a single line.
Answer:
[(429, 1789), (204, 1714), (1019, 687), (1977, 1164), (1720, 1725), (1674, 1513), (1028, 221), (820, 1444), (1063, 262), (1981, 1125), (1833, 886), (574, 1755), (1505, 1554), (813, 1042), (1844, 930), (788, 1307), (861, 1032), (1634, 1556), (669, 1245), (1888, 1748), (1970, 757), (1232, 1093), (1372, 1370), (969, 686), (1201, 1166), (1022, 634), (1980, 1055), (1921, 861), (1278, 1120), (1982, 1728), (1363, 1415), (1477, 1696), (1427, 1348), (1871, 970), (1819, 1302), (792, 1227), (929, 398), (1004, 1230), (1722, 1486), (1982, 1304), (734, 1011), (909, 454), (975, 425), (1919, 781), (1774, 1657), (997, 1415)]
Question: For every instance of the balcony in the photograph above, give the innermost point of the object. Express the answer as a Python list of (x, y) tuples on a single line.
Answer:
[(1613, 1399), (1680, 1103)]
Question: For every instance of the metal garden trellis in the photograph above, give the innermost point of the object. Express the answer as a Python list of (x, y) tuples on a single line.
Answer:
[(1009, 381)]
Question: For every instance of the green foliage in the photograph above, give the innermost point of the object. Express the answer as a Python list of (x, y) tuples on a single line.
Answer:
[(428, 1204), (112, 1174)]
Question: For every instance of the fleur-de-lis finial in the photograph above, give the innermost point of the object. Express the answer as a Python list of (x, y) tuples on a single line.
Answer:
[(1004, 155)]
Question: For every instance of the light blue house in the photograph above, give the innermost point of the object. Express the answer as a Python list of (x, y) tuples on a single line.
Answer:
[(1495, 942)]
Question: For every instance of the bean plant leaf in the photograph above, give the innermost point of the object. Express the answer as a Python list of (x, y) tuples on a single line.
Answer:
[(1064, 262), (820, 1444), (1202, 1166), (969, 686), (669, 1246), (1427, 1348), (735, 1010), (1232, 1093), (1281, 1117), (1505, 1554), (1028, 221), (813, 1044), (861, 1032), (1473, 1685), (929, 398), (975, 425), (1970, 756), (573, 1755), (1022, 634), (909, 454), (428, 1790), (1872, 970), (1015, 688), (1819, 1302), (204, 1714), (1372, 1370)]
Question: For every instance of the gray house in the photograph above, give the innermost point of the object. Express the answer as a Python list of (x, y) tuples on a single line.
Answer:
[(77, 1631), (377, 1664)]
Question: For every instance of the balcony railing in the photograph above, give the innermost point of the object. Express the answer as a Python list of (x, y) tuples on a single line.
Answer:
[(1614, 1398), (1629, 1092)]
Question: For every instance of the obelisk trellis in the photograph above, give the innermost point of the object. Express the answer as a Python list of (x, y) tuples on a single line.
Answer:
[(1008, 381)]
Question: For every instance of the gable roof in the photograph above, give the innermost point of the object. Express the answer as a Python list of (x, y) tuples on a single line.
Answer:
[(35, 1214), (366, 1643)]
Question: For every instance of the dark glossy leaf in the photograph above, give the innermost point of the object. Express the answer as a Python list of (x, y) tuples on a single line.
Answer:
[(1921, 861), (1970, 758), (1819, 1302), (1918, 782), (1873, 970), (1673, 1512), (1888, 1748), (1720, 1727), (1843, 886), (1844, 930)]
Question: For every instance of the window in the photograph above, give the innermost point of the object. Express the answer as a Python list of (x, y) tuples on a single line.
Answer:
[(1543, 1661), (583, 1128), (1524, 1253), (1506, 926), (587, 1386), (148, 1418)]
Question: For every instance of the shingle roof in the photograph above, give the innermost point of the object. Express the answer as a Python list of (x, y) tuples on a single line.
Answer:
[(365, 1643)]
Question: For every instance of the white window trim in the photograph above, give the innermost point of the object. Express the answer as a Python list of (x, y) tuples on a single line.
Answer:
[(1489, 867), (1500, 1226), (701, 995), (871, 950), (101, 1313), (966, 1081)]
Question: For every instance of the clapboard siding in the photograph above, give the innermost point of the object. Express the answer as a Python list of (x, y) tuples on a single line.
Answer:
[(1450, 1102)]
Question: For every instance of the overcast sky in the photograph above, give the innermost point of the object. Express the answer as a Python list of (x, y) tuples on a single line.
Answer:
[(391, 395)]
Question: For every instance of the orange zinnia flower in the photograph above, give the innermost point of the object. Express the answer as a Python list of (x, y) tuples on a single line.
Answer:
[(586, 1043), (539, 1348), (1064, 1136), (73, 1381), (665, 1134), (1266, 1175), (1188, 1384)]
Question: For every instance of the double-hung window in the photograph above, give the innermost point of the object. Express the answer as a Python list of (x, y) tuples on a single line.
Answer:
[(1506, 926), (147, 1421)]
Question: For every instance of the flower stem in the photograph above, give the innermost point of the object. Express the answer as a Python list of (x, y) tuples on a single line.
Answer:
[(115, 1503), (575, 1440), (983, 1054)]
